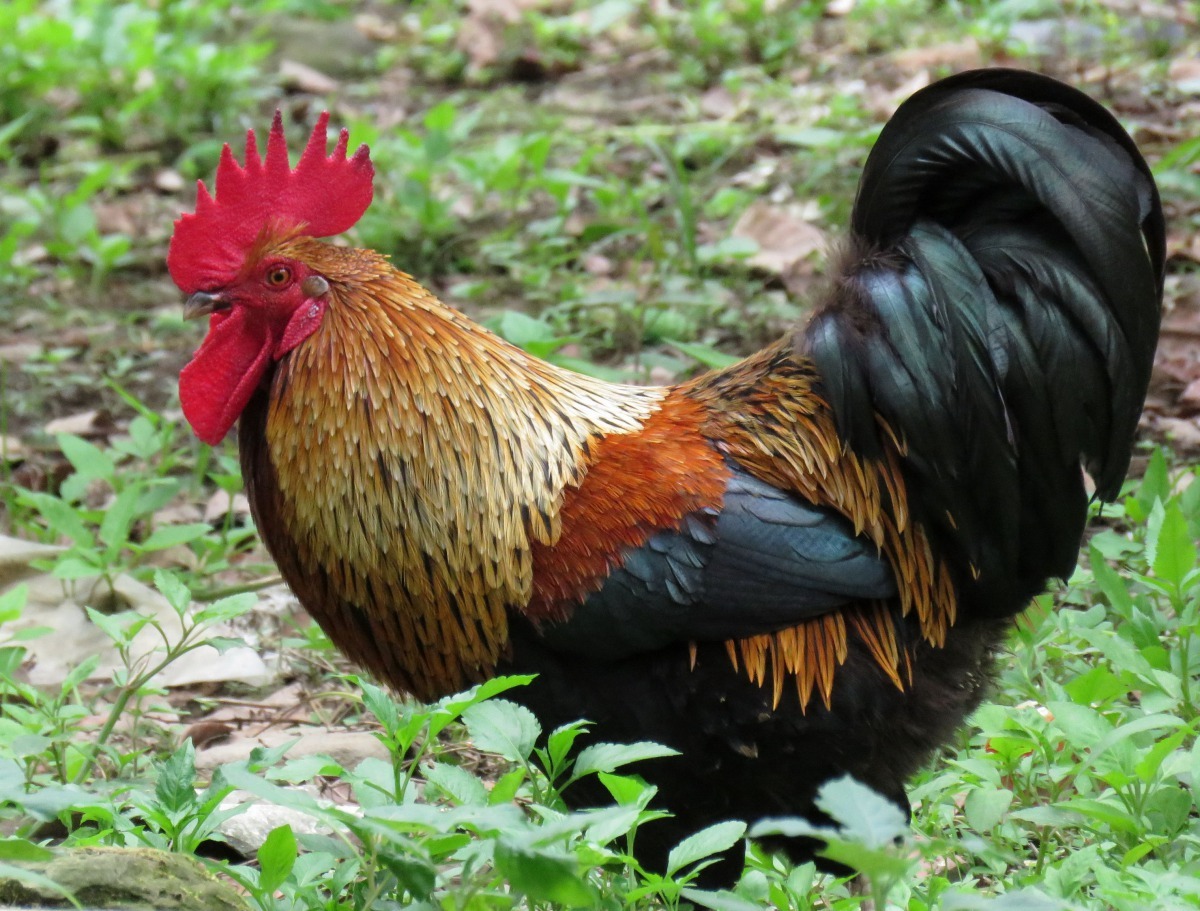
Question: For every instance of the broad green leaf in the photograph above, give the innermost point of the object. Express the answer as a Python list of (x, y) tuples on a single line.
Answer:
[(25, 746), (506, 786), (1114, 546), (1082, 725), (1156, 483), (985, 807), (83, 566), (118, 520), (705, 844), (78, 674), (21, 849), (306, 768), (1149, 767), (626, 789), (608, 757), (374, 783), (1175, 554), (171, 588), (62, 517), (143, 437), (88, 459), (1154, 522), (560, 741), (46, 803), (1098, 686), (120, 628), (1111, 583), (705, 354), (878, 864), (173, 535), (791, 827), (407, 861), (1194, 768), (239, 776), (11, 658), (155, 494), (533, 335), (1137, 852), (276, 858), (720, 901), (31, 632), (544, 875), (862, 814), (176, 784), (379, 702), (504, 728), (1113, 815), (1130, 729), (452, 707), (12, 602), (228, 608), (224, 644), (607, 13), (441, 116), (456, 782), (613, 822)]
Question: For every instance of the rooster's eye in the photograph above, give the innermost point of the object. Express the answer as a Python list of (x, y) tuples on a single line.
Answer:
[(279, 276)]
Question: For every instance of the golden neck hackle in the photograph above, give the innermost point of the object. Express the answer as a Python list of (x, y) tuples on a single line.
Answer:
[(419, 457)]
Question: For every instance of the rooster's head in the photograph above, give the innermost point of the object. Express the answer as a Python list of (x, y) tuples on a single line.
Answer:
[(236, 259)]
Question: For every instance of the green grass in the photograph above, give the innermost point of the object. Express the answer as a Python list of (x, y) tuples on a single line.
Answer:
[(576, 191)]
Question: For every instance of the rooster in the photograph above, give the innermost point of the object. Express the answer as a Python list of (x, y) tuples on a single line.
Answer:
[(792, 569)]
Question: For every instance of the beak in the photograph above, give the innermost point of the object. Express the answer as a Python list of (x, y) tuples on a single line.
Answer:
[(202, 304)]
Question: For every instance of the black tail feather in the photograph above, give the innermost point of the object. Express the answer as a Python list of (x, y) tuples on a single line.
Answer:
[(1003, 318)]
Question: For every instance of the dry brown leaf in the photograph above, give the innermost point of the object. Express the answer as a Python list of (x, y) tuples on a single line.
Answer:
[(375, 27), (19, 352), (304, 78), (168, 180), (596, 264), (12, 449), (1185, 73), (1183, 433), (93, 423), (482, 33), (955, 55), (179, 513), (783, 237), (221, 504), (118, 216), (346, 748), (1190, 396), (1183, 246), (718, 103), (203, 734)]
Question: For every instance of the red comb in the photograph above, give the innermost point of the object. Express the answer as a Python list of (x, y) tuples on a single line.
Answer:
[(321, 196)]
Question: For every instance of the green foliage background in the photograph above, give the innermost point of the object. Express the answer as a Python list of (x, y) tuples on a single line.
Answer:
[(572, 174)]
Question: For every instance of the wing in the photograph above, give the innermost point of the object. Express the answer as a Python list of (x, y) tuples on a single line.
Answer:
[(767, 560)]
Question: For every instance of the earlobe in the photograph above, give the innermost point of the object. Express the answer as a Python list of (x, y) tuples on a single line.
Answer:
[(304, 322)]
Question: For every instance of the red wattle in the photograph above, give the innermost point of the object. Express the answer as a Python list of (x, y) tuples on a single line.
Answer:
[(217, 383)]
